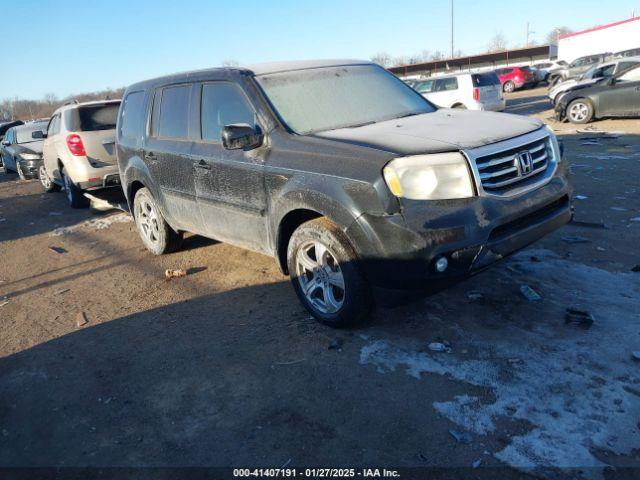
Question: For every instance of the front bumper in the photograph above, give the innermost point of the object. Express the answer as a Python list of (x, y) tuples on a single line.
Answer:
[(399, 251), (30, 167)]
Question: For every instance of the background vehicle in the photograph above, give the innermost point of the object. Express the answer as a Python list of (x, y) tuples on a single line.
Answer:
[(579, 66), (336, 169), (79, 150), (591, 76), (4, 126), (513, 78), (633, 52), (548, 69), (617, 96), (22, 149), (473, 91)]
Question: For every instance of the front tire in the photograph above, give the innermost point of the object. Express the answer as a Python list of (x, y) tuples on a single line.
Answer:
[(155, 232), (75, 196), (326, 274), (580, 111), (509, 87)]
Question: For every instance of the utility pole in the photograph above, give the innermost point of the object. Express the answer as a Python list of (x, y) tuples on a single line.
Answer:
[(529, 32), (451, 1)]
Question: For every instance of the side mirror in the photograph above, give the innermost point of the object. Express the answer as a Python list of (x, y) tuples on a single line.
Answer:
[(241, 136), (38, 135), (611, 81), (6, 143)]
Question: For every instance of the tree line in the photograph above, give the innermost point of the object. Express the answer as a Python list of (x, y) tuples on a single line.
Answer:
[(20, 109)]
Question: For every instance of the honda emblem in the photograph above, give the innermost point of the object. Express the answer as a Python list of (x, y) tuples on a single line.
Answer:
[(524, 162)]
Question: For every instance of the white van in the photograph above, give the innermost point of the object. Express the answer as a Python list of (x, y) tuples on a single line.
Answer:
[(473, 91)]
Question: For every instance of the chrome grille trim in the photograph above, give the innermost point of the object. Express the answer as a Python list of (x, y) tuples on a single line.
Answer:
[(496, 172)]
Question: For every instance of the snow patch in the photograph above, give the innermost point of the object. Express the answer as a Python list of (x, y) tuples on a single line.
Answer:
[(94, 224), (571, 385)]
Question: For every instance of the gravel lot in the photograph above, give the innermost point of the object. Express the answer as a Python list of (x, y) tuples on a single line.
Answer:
[(224, 368)]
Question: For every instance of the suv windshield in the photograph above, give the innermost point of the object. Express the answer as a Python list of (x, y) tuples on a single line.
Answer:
[(23, 134), (320, 99), (89, 118)]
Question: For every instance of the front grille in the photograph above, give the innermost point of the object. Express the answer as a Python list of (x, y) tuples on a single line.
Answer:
[(501, 172)]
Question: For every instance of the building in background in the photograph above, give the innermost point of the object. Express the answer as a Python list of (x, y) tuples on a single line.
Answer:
[(485, 61), (613, 38)]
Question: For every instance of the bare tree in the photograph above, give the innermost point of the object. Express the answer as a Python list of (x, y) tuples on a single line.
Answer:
[(552, 36), (497, 44), (383, 59)]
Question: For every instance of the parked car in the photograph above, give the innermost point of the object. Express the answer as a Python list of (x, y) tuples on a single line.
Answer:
[(353, 181), (591, 76), (548, 69), (579, 66), (513, 78), (633, 52), (473, 91), (21, 150), (4, 126), (617, 96), (79, 150)]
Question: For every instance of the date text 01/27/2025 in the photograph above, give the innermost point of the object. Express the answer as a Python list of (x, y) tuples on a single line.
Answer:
[(315, 473)]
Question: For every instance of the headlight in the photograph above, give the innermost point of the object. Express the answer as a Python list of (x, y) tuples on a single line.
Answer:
[(557, 151), (29, 156), (439, 176)]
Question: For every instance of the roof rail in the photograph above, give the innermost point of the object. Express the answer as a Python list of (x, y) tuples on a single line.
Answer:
[(73, 102)]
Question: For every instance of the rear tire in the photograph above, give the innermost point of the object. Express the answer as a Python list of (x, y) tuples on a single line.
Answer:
[(45, 181), (156, 234), (509, 87), (326, 274), (75, 196), (580, 111)]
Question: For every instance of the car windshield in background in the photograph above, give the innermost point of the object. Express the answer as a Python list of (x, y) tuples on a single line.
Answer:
[(485, 79), (321, 99), (23, 135), (97, 117)]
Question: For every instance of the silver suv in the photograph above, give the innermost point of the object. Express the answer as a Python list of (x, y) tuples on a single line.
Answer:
[(79, 150)]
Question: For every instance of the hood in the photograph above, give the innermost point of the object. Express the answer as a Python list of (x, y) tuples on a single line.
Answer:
[(31, 147), (569, 84), (441, 131)]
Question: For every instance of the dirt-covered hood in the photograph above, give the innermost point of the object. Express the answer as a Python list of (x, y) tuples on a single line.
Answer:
[(30, 147), (440, 131)]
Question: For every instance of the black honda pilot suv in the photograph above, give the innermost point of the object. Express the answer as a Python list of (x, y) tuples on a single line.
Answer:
[(354, 182)]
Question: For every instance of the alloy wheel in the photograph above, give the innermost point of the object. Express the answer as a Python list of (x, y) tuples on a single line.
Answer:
[(579, 112), (148, 220), (320, 277), (44, 178)]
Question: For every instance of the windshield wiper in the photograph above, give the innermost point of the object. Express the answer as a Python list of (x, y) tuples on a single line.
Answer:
[(360, 124)]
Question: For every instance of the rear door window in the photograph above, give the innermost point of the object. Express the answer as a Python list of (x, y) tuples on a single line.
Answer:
[(133, 113), (223, 104), (424, 87), (485, 79), (446, 84), (173, 121)]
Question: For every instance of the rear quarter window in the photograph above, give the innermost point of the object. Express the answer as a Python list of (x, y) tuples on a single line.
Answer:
[(132, 118)]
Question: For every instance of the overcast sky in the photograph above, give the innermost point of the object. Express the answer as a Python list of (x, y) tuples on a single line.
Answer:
[(74, 46)]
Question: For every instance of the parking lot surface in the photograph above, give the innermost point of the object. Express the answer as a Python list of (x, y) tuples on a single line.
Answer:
[(104, 362)]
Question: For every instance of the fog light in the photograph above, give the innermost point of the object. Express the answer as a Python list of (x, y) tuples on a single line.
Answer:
[(441, 264)]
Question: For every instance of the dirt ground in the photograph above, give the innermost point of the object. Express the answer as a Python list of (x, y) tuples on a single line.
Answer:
[(224, 367)]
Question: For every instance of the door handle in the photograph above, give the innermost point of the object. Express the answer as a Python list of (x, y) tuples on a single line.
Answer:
[(150, 156), (203, 165)]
